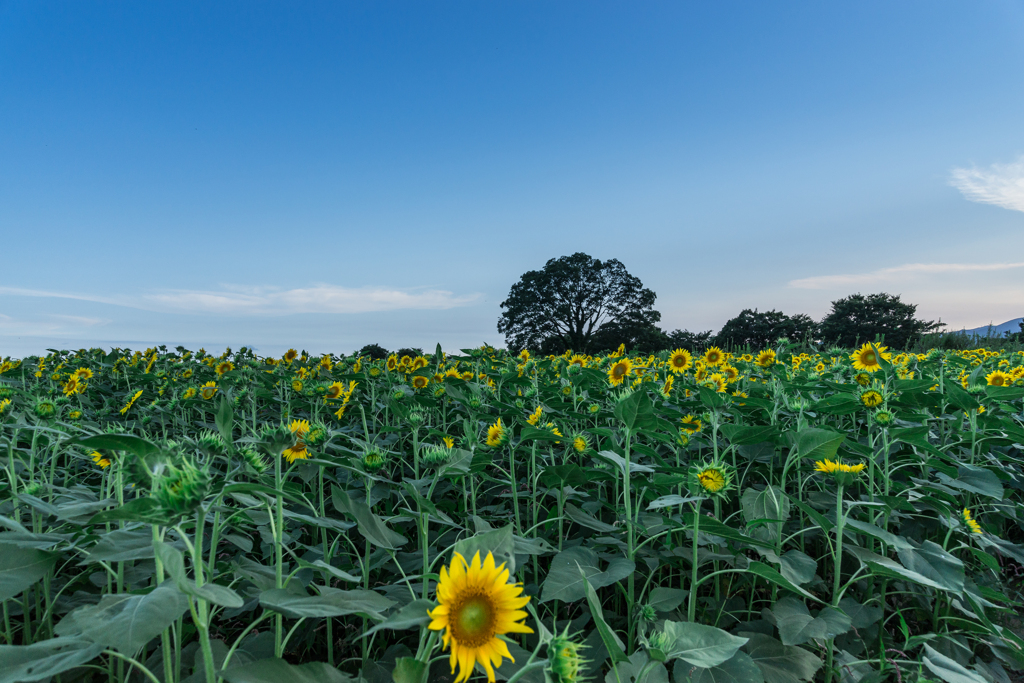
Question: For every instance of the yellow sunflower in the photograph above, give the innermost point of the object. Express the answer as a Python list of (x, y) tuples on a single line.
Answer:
[(579, 360), (225, 366), (765, 359), (719, 381), (131, 402), (866, 357), (208, 390), (691, 424), (392, 363), (420, 382), (290, 355), (714, 356), (535, 416), (711, 479), (83, 374), (189, 393), (872, 398), (998, 378), (476, 605), (666, 388), (680, 360), (334, 391), (618, 371), (297, 385), (98, 458), (970, 522), (496, 434), (297, 452)]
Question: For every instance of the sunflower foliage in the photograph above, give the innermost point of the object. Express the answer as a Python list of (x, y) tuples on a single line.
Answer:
[(853, 515)]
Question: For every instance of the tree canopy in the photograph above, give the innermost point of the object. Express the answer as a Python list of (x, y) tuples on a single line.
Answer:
[(761, 330), (577, 302), (858, 318)]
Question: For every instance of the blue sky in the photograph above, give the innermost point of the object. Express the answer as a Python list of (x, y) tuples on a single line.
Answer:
[(325, 175)]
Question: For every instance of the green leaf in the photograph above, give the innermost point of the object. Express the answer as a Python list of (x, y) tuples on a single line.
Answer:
[(122, 545), (797, 626), (781, 663), (635, 411), (331, 602), (976, 480), (42, 661), (124, 621), (710, 525), (740, 669), (671, 500), (225, 420), (699, 645), (741, 435), (370, 525), (332, 570), (861, 616), (768, 503), (410, 670), (797, 567), (960, 398), (117, 442), (766, 572), (611, 641), (818, 444), (145, 510), (410, 616), (948, 669), (584, 519), (279, 671), (894, 541), (22, 567), (931, 561), (888, 567), (498, 542), (565, 579), (666, 599)]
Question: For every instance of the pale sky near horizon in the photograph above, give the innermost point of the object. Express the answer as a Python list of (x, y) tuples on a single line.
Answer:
[(329, 174)]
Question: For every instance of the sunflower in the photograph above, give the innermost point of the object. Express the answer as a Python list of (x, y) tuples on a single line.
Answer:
[(420, 382), (131, 402), (496, 434), (208, 390), (714, 356), (71, 387), (448, 441), (998, 378), (83, 374), (862, 378), (866, 357), (297, 451), (843, 474), (476, 605), (970, 522), (419, 362), (98, 458), (189, 393), (580, 443), (691, 424), (719, 382), (290, 355), (392, 363), (871, 398), (666, 388), (731, 373), (765, 359), (618, 371), (710, 478), (334, 391), (680, 361), (297, 385), (578, 360)]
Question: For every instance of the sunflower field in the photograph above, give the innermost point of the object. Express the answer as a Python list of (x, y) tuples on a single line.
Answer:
[(770, 517)]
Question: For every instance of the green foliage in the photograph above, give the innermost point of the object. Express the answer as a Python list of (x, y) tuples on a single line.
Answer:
[(857, 319)]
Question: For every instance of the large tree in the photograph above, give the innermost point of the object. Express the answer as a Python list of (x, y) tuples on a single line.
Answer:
[(857, 319), (565, 304), (760, 330)]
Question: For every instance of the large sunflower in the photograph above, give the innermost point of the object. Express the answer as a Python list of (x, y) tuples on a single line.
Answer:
[(714, 356), (496, 434), (300, 428), (998, 378), (765, 359), (477, 604), (866, 357), (618, 371), (680, 360)]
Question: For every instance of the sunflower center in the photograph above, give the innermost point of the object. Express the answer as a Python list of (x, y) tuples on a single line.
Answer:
[(869, 358), (473, 622)]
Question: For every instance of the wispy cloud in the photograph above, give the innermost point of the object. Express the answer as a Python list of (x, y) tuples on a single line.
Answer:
[(903, 272), (269, 301), (999, 184)]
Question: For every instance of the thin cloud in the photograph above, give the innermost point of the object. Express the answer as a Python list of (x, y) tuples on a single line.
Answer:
[(896, 273), (999, 184), (264, 301)]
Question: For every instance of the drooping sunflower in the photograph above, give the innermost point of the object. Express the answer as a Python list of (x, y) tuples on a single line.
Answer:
[(862, 378), (843, 474), (866, 357), (971, 523), (719, 382), (871, 398), (714, 356), (189, 393), (619, 370), (680, 361), (998, 378), (131, 402), (297, 385), (476, 605), (297, 451), (496, 434), (100, 460), (765, 359)]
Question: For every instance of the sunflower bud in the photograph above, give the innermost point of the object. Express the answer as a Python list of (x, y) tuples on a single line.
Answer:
[(884, 418), (254, 460), (416, 418), (317, 434), (211, 443), (45, 408), (710, 479), (373, 459), (436, 456), (180, 488), (648, 614), (565, 662)]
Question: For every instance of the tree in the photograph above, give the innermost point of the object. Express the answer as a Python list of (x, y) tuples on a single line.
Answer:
[(696, 342), (761, 330), (374, 351), (858, 319), (563, 305)]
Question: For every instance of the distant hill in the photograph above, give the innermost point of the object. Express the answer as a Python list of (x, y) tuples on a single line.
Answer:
[(996, 330)]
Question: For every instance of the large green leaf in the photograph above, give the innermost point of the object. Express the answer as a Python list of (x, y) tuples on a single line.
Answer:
[(711, 526), (124, 621), (948, 669), (118, 442), (122, 545), (410, 616), (565, 582), (22, 567), (740, 669), (498, 542), (766, 572), (636, 410), (976, 480), (174, 565), (370, 525), (330, 603), (743, 435), (699, 645), (611, 641), (781, 663), (894, 541), (769, 503), (280, 671), (931, 561), (41, 661), (797, 626), (818, 444), (888, 567)]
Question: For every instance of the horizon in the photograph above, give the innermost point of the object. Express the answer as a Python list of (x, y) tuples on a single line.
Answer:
[(342, 174)]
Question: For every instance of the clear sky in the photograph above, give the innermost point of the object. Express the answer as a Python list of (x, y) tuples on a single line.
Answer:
[(326, 175)]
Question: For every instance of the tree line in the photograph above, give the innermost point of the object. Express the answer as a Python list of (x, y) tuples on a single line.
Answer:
[(588, 305)]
